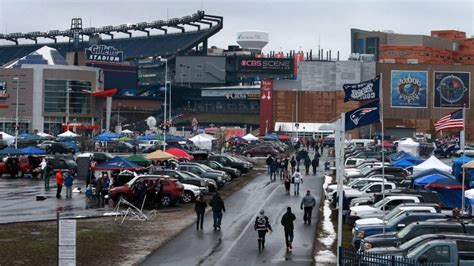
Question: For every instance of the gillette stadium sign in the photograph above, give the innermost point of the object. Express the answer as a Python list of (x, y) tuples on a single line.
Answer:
[(104, 53)]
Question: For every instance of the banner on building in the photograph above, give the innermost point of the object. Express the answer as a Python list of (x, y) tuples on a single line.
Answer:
[(266, 106), (3, 90), (266, 66), (363, 91), (409, 89), (104, 53), (451, 89), (362, 116)]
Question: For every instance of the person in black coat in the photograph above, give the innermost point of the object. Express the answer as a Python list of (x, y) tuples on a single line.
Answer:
[(315, 164), (287, 222), (218, 208), (262, 226), (200, 209)]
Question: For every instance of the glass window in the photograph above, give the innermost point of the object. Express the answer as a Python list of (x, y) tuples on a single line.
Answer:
[(438, 254), (57, 93)]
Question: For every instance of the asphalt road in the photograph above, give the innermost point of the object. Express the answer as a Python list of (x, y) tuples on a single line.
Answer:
[(236, 244)]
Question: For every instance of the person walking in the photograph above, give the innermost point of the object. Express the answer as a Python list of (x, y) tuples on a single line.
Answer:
[(218, 208), (315, 164), (307, 164), (200, 209), (42, 166), (287, 183), (297, 179), (262, 226), (298, 160), (308, 202), (287, 222), (68, 183), (293, 164), (269, 161), (282, 167), (47, 175), (140, 191), (98, 191), (273, 170), (59, 183)]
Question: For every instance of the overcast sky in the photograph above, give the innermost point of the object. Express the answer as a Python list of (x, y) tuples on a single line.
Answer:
[(291, 23)]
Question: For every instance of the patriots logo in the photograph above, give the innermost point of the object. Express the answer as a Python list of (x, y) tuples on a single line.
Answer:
[(358, 114)]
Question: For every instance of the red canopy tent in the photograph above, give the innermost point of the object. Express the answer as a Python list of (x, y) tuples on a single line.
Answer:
[(179, 153), (386, 144)]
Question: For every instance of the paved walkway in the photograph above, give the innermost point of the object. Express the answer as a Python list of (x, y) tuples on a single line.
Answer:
[(236, 244)]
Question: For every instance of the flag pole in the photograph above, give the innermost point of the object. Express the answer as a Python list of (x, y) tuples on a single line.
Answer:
[(383, 148), (339, 174), (463, 145)]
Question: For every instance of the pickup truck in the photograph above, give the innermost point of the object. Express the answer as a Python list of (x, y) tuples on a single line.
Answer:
[(390, 170), (143, 144), (388, 203), (229, 161), (392, 225), (444, 252), (400, 209), (416, 229), (331, 190), (368, 190)]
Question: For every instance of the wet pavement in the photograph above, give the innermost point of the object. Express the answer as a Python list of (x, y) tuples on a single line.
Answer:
[(236, 244), (18, 201)]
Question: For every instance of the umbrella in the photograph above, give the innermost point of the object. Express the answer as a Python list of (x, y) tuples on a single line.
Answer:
[(24, 135), (33, 150), (68, 134), (9, 151), (159, 155), (179, 153), (118, 163)]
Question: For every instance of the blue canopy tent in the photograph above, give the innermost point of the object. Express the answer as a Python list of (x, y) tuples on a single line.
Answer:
[(398, 156), (24, 135), (9, 151), (118, 163), (270, 136), (33, 151), (146, 138), (457, 165), (431, 171), (404, 163), (176, 138), (107, 136), (449, 189)]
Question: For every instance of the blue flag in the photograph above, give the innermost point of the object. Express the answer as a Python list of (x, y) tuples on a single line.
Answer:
[(366, 90), (364, 115)]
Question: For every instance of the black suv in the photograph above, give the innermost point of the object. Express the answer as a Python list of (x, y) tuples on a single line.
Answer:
[(229, 161), (60, 147), (234, 173), (393, 239)]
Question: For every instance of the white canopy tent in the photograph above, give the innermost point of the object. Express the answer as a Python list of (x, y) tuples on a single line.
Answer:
[(9, 139), (432, 163), (44, 135), (211, 137), (320, 128), (249, 137), (68, 134), (202, 142), (127, 131), (408, 145)]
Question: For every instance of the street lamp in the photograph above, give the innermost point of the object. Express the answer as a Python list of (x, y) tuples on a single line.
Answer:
[(68, 90), (164, 103), (296, 111), (17, 80)]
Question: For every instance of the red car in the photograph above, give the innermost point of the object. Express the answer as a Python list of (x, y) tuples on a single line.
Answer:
[(18, 166), (172, 190)]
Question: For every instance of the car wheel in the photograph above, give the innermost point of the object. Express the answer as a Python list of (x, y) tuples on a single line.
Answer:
[(248, 155), (166, 200), (188, 197)]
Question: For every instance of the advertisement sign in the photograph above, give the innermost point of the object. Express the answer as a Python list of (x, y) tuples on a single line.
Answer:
[(3, 90), (237, 94), (269, 66), (363, 91), (451, 89), (104, 53), (409, 89), (266, 106)]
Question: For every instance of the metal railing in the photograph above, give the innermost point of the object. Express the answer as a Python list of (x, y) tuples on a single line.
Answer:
[(353, 257)]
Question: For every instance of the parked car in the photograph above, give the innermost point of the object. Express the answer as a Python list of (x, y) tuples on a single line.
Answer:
[(184, 179), (261, 151), (468, 151), (358, 183), (416, 229), (230, 161), (14, 166), (120, 147), (210, 183), (406, 247), (368, 190), (234, 173), (45, 144), (61, 148), (63, 162), (444, 252), (391, 170), (388, 203), (143, 144), (172, 189), (191, 192), (392, 225), (201, 172)]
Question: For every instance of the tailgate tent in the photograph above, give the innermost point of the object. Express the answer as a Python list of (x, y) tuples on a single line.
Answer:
[(469, 201), (409, 146), (179, 153), (250, 137), (431, 163), (33, 151), (118, 163), (457, 166), (9, 139), (404, 163), (202, 142), (449, 190)]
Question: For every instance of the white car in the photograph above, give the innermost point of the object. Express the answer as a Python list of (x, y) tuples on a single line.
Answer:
[(376, 219), (369, 190), (357, 183), (468, 151), (191, 192), (389, 202)]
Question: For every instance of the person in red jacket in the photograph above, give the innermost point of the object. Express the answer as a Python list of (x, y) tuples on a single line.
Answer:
[(59, 183)]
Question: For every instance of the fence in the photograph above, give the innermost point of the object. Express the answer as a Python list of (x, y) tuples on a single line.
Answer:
[(353, 257)]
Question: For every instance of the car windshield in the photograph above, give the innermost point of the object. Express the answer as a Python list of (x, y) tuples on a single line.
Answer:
[(217, 164), (411, 242), (353, 182), (365, 187), (380, 203), (392, 214), (189, 174), (401, 234), (205, 167)]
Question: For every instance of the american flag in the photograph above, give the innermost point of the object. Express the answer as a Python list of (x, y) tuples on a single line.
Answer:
[(452, 120)]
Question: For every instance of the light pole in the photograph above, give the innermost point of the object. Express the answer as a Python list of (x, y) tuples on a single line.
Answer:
[(164, 103), (17, 79), (296, 111), (67, 107)]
